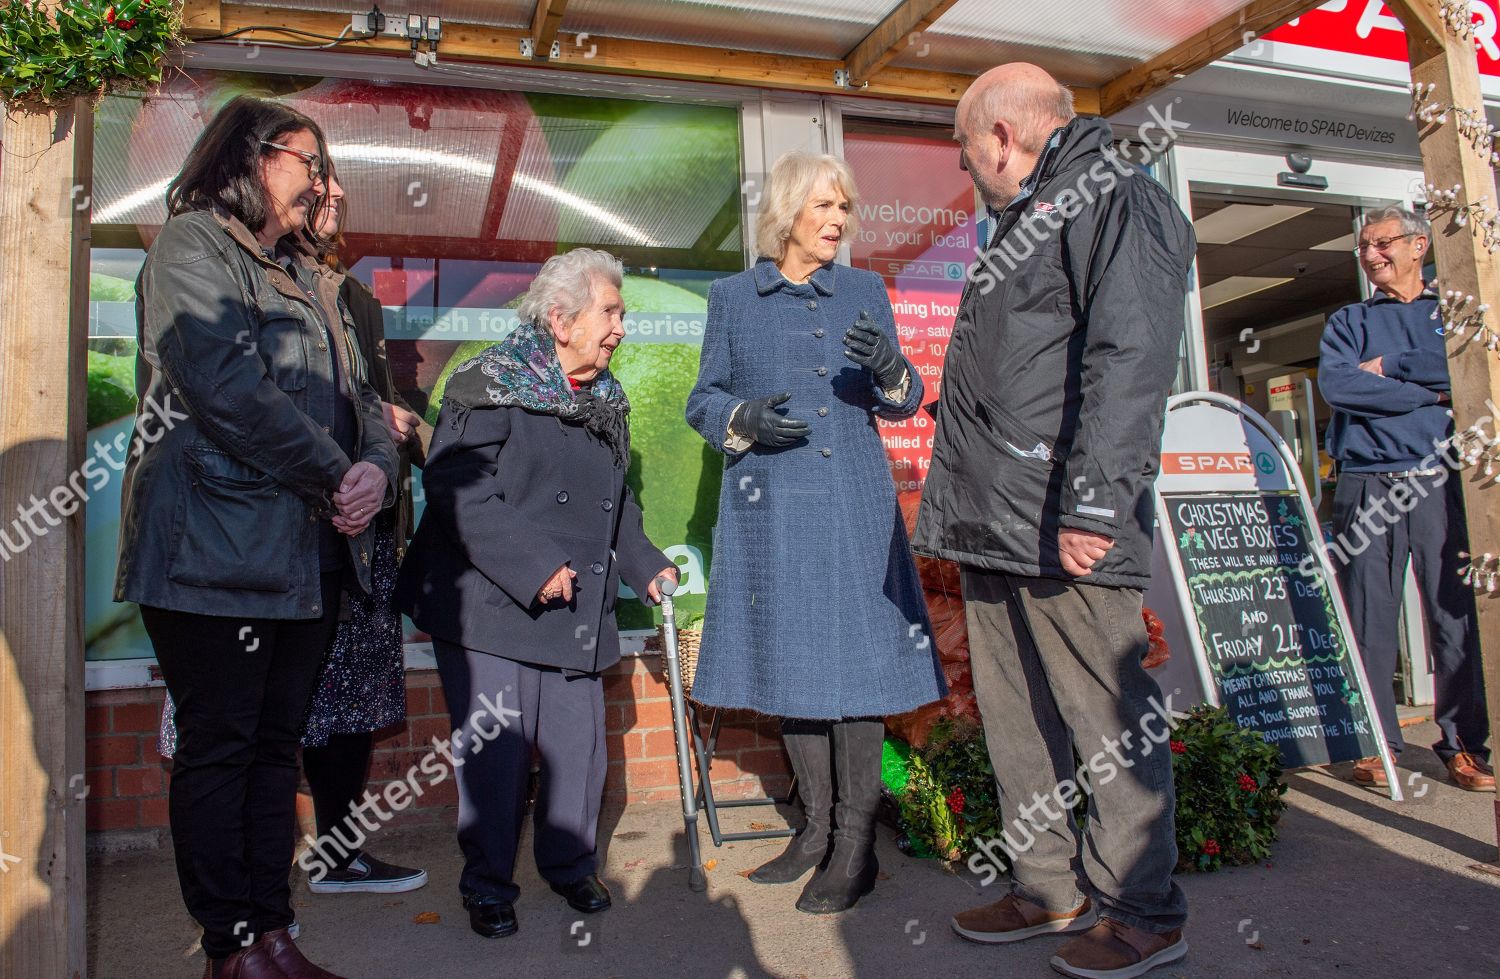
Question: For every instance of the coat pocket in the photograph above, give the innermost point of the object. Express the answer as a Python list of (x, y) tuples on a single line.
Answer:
[(281, 342), (1006, 506), (1016, 439), (223, 542)]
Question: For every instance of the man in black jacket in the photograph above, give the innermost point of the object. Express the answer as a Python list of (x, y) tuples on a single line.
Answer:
[(1048, 440)]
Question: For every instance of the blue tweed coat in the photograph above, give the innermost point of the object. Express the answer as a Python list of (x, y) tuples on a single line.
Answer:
[(814, 607)]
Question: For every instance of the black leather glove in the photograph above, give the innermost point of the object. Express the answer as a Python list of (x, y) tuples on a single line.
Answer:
[(759, 420), (869, 347)]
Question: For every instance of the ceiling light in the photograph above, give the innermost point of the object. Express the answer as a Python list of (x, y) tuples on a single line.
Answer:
[(1236, 287), (1237, 221), (1343, 243)]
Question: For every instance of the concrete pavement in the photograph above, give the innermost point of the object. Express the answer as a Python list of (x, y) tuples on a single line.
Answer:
[(1358, 887)]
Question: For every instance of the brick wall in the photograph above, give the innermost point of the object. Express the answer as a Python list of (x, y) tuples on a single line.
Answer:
[(127, 779)]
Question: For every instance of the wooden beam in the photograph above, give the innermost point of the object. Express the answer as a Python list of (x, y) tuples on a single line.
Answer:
[(473, 44), (1464, 265), (44, 273), (1228, 34), (545, 21), (891, 35), (1421, 21)]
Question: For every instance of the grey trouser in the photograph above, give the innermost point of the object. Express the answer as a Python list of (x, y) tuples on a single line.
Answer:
[(1057, 668), (562, 720)]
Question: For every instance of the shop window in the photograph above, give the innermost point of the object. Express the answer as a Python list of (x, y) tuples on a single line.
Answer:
[(455, 197), (919, 231)]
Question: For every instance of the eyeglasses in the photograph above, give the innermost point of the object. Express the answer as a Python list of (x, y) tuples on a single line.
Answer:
[(313, 160), (1379, 244)]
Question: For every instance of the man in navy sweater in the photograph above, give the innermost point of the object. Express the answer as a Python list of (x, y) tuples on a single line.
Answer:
[(1384, 371)]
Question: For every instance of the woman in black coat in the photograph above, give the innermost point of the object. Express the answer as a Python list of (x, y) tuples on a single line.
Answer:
[(514, 571), (246, 510)]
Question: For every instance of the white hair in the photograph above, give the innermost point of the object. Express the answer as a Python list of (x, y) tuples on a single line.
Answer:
[(1412, 223), (793, 179), (566, 284)]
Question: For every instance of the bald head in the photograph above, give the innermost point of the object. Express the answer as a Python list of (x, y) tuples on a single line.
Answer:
[(1021, 95), (1002, 123)]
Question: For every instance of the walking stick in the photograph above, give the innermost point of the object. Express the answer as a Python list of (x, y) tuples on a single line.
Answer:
[(697, 880)]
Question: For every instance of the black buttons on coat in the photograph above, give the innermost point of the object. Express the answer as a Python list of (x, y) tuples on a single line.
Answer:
[(818, 333), (562, 497), (822, 371), (822, 412), (606, 505), (812, 305), (598, 568), (827, 453)]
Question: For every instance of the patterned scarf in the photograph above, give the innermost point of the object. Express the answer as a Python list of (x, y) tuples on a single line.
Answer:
[(522, 371)]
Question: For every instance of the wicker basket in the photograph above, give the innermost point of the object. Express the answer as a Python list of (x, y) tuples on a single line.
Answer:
[(688, 641)]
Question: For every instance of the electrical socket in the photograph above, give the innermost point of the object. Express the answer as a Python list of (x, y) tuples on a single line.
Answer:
[(390, 25)]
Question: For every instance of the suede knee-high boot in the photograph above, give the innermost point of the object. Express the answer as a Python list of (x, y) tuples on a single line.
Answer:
[(808, 747), (850, 870)]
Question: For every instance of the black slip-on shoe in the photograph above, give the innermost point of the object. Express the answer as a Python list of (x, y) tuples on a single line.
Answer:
[(586, 894), (491, 919)]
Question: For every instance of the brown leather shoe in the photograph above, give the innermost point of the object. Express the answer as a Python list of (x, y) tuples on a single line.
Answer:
[(1369, 771), (1468, 772), (288, 957), (1014, 919), (247, 963), (1114, 950)]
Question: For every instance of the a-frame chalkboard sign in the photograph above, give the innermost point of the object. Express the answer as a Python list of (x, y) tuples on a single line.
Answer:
[(1263, 611)]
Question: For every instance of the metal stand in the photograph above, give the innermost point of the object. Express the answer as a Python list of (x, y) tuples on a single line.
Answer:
[(705, 793)]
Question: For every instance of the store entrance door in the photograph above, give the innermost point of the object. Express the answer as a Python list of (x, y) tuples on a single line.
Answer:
[(1270, 271), (1271, 268)]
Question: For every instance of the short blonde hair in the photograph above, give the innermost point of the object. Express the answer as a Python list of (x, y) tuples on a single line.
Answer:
[(792, 181)]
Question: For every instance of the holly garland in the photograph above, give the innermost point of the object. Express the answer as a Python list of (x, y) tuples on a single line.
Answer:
[(1228, 781), (83, 48)]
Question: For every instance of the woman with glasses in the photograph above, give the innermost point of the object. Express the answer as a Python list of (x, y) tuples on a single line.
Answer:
[(362, 686), (260, 461)]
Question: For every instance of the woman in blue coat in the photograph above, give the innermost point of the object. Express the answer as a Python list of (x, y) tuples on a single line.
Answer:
[(815, 613)]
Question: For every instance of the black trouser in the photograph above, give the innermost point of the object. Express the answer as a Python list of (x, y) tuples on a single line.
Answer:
[(336, 775), (1376, 538), (241, 688), (562, 719)]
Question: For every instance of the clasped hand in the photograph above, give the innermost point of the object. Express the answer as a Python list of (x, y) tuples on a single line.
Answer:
[(359, 498)]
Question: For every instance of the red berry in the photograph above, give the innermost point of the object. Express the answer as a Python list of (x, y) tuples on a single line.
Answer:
[(956, 801), (1178, 747), (125, 25), (109, 15), (1247, 783), (1211, 847)]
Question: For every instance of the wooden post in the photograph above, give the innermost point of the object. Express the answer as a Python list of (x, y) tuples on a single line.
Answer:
[(44, 271), (1464, 264)]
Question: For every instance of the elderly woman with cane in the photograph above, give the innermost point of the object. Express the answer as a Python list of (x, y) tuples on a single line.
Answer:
[(514, 571), (815, 613)]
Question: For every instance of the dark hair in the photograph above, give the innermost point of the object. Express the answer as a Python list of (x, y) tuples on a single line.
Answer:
[(222, 169), (327, 249)]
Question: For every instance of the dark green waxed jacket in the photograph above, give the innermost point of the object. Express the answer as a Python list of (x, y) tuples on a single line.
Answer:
[(233, 464)]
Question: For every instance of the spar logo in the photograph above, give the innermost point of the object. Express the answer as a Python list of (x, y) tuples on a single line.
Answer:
[(1206, 464)]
